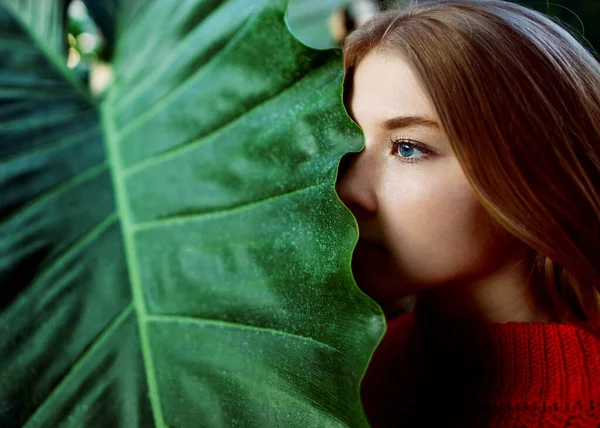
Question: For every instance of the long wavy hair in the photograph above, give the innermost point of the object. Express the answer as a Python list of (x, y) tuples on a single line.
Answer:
[(519, 99)]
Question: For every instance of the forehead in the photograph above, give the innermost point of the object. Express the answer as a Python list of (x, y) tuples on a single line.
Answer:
[(385, 86)]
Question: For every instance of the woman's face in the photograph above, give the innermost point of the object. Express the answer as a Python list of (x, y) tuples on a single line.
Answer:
[(420, 223)]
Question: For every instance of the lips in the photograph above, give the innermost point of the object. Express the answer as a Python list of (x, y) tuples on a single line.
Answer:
[(377, 275), (373, 269)]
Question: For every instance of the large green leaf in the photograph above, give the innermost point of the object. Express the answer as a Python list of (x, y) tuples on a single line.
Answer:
[(177, 255)]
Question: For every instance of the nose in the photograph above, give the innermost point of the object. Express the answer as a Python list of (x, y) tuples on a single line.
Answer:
[(356, 185)]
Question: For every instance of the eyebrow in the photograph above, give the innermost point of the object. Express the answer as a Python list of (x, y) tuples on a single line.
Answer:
[(406, 121)]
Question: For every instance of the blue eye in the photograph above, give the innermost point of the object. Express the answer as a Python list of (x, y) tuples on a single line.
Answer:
[(409, 151)]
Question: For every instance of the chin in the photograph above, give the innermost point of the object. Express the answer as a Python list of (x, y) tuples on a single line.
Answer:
[(392, 300), (377, 276)]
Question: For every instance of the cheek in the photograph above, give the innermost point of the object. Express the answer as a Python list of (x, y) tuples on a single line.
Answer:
[(437, 229)]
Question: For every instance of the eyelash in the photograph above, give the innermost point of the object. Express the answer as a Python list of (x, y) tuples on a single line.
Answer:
[(395, 143)]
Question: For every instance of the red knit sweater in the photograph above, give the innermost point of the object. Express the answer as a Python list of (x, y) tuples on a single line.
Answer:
[(429, 372)]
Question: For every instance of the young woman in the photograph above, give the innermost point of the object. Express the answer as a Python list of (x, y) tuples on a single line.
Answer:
[(478, 192)]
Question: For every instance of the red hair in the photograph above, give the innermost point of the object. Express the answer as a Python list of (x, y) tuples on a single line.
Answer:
[(519, 99)]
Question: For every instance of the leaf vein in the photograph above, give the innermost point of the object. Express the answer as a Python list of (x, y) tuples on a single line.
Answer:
[(91, 350), (174, 92), (62, 187), (71, 250), (57, 144), (190, 145), (230, 324), (221, 213)]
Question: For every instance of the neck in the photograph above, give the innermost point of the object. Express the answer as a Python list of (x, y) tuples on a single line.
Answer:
[(506, 295)]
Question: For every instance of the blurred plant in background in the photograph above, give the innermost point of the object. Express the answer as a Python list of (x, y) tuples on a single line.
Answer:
[(86, 43), (88, 48), (320, 24), (580, 16)]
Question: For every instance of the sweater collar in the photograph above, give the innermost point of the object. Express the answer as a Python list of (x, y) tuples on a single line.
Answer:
[(522, 364)]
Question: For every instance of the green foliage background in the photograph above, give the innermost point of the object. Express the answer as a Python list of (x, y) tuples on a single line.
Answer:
[(580, 16)]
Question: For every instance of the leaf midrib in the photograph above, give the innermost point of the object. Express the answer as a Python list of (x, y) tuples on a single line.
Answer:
[(124, 210)]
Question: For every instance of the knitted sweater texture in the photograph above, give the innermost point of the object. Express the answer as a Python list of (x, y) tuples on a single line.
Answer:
[(430, 372)]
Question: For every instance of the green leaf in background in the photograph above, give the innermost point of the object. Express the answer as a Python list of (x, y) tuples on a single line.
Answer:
[(309, 21), (177, 256)]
